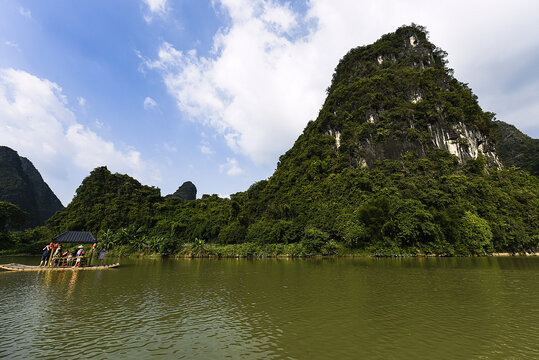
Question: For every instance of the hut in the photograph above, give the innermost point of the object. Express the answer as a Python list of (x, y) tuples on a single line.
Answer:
[(75, 237)]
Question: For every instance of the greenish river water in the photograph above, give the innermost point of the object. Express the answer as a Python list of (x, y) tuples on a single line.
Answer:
[(356, 308)]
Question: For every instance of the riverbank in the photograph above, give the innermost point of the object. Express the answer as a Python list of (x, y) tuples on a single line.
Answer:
[(330, 249), (253, 250), (249, 250)]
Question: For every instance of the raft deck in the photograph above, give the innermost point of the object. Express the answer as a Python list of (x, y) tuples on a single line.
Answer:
[(21, 267)]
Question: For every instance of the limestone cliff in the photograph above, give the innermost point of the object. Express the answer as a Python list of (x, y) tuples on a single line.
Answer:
[(397, 96), (22, 185)]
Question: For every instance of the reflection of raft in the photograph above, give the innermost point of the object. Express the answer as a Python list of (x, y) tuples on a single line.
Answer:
[(21, 267)]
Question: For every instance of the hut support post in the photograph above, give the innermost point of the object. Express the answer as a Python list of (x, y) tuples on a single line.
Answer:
[(90, 258), (50, 256)]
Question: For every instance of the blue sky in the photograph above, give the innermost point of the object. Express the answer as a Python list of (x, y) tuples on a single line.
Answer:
[(215, 91)]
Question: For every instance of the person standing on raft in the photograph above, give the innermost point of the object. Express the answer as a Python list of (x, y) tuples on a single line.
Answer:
[(80, 255), (45, 256), (56, 256), (102, 256)]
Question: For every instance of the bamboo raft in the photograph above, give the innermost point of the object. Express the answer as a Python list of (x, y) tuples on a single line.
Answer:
[(21, 267)]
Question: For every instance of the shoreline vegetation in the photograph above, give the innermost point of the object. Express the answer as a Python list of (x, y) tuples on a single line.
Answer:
[(256, 251)]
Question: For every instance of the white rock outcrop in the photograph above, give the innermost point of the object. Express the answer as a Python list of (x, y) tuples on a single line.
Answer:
[(337, 135), (416, 98), (463, 143)]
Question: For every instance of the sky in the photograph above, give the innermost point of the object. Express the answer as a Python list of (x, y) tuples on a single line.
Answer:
[(215, 91)]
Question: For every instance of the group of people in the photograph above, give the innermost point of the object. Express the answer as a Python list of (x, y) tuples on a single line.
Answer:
[(54, 255)]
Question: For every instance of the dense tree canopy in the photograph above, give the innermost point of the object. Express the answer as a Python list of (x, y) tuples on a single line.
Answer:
[(11, 216)]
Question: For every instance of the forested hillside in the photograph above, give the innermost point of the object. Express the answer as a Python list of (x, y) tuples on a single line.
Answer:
[(516, 148)]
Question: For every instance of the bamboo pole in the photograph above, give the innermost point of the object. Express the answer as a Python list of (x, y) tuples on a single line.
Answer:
[(91, 253), (52, 253)]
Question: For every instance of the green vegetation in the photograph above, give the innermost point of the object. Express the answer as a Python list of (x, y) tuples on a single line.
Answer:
[(11, 216), (386, 188), (516, 148)]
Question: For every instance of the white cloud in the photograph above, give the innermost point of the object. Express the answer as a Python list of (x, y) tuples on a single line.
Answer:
[(263, 82), (12, 44), (231, 167), (25, 12), (170, 148), (280, 16), (246, 92), (149, 103), (155, 7), (206, 149), (81, 101), (36, 122)]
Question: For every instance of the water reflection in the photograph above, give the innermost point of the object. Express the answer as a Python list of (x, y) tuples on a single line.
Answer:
[(276, 308)]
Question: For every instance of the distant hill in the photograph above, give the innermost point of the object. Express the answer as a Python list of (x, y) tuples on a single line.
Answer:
[(21, 184), (107, 201), (187, 191), (516, 148)]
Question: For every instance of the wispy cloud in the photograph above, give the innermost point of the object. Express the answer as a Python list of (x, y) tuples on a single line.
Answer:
[(25, 12), (149, 103), (170, 148), (206, 149), (155, 8), (12, 44), (81, 101), (231, 167)]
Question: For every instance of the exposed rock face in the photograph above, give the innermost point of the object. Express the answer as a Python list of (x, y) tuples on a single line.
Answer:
[(187, 191), (463, 142), (22, 185), (397, 96), (458, 139)]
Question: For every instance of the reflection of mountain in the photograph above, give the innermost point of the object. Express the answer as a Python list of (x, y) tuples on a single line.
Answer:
[(22, 185)]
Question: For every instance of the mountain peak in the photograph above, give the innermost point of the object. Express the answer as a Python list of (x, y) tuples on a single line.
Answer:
[(21, 184), (397, 96), (187, 191), (408, 46)]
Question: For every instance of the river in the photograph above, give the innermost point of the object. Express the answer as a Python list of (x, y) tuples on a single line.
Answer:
[(355, 308)]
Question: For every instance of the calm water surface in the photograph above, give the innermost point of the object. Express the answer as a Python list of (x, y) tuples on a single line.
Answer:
[(467, 308)]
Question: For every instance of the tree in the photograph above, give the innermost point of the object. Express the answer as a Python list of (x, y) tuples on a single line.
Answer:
[(413, 224), (11, 216), (313, 239), (474, 235)]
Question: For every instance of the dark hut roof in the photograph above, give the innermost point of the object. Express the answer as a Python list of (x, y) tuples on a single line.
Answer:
[(78, 237)]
